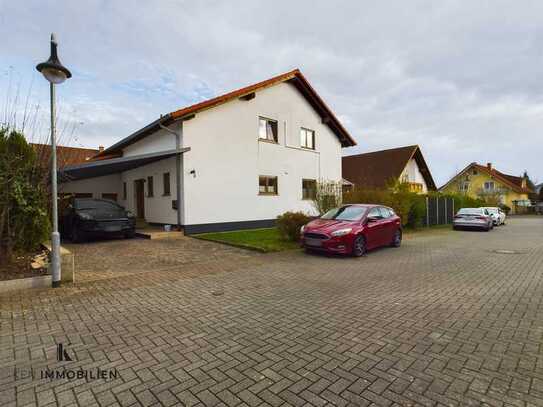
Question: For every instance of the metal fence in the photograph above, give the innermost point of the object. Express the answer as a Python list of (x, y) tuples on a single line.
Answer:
[(439, 211)]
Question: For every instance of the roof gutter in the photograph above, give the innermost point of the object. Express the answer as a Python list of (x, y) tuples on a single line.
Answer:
[(179, 171)]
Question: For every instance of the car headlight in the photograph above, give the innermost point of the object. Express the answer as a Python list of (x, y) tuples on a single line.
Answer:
[(84, 216), (341, 232)]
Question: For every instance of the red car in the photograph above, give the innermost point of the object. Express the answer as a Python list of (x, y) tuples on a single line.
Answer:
[(353, 229)]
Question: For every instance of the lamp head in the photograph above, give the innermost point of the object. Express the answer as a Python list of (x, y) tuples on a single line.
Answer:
[(52, 69)]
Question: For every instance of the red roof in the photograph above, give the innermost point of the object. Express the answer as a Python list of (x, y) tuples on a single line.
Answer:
[(294, 77), (65, 155), (378, 168), (516, 183)]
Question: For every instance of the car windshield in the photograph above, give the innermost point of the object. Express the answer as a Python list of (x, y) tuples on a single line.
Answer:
[(470, 211), (492, 210), (83, 204), (349, 213)]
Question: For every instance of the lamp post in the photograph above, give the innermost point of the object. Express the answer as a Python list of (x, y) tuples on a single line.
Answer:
[(55, 73)]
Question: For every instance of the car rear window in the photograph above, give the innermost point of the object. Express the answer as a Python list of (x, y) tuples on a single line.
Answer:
[(470, 211)]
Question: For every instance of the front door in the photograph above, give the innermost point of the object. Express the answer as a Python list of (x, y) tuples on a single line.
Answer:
[(139, 188)]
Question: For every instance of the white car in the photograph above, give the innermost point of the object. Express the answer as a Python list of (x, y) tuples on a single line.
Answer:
[(498, 216)]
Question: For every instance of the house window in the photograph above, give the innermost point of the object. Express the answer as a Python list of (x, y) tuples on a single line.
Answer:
[(475, 172), (150, 187), (267, 130), (489, 186), (307, 138), (166, 182), (267, 185), (110, 196), (125, 194), (464, 186), (309, 189)]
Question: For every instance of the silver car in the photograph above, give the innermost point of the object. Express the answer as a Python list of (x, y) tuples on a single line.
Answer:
[(476, 218)]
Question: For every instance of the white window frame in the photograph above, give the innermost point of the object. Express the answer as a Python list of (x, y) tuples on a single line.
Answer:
[(266, 136), (304, 133)]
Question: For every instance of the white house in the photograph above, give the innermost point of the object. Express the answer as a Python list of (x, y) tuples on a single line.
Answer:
[(235, 161)]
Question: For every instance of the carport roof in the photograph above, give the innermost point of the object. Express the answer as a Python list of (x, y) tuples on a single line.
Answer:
[(113, 165)]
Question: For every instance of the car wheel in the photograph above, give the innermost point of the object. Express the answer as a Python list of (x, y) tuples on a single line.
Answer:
[(130, 234), (397, 239), (359, 246), (77, 235)]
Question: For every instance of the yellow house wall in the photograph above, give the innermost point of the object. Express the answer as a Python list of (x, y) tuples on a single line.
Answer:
[(476, 184)]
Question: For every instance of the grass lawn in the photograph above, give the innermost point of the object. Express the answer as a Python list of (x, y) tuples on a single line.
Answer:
[(263, 240)]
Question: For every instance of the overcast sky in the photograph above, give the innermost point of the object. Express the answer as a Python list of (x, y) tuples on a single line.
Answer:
[(463, 79)]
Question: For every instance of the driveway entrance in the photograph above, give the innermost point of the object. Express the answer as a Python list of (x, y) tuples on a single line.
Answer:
[(451, 318)]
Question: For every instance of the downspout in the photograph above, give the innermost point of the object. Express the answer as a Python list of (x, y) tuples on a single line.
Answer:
[(178, 169)]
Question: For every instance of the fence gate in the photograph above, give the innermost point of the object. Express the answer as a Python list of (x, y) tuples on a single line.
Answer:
[(439, 211)]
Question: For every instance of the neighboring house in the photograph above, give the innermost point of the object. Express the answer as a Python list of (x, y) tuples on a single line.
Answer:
[(381, 169), (538, 189), (235, 161), (65, 155), (484, 181)]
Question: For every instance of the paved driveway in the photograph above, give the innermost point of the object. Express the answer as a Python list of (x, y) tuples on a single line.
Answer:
[(441, 321)]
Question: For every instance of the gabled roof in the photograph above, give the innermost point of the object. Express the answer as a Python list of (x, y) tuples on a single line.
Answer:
[(294, 77), (513, 182), (65, 155), (376, 169)]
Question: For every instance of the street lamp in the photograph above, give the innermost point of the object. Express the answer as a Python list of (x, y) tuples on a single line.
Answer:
[(55, 73)]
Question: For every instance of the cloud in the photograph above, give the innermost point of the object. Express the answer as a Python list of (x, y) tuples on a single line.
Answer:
[(462, 79)]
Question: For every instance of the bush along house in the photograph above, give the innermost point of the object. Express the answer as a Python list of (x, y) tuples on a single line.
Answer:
[(491, 185), (235, 161)]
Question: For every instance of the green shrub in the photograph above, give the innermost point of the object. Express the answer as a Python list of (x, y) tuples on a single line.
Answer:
[(289, 224), (24, 220), (409, 206), (328, 196)]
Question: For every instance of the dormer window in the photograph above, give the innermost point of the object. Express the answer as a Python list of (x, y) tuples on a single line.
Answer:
[(267, 130)]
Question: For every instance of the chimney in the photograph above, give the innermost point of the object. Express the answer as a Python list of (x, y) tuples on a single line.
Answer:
[(489, 166), (100, 148)]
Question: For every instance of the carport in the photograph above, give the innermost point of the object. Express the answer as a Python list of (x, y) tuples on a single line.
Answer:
[(114, 176)]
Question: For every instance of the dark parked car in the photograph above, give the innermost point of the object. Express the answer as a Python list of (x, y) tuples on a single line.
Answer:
[(353, 229), (87, 217)]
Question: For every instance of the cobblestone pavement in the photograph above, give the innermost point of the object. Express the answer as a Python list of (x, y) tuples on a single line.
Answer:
[(441, 321)]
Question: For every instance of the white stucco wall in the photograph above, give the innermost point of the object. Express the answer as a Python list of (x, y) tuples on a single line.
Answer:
[(158, 208), (158, 141), (228, 158), (414, 175), (110, 184)]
